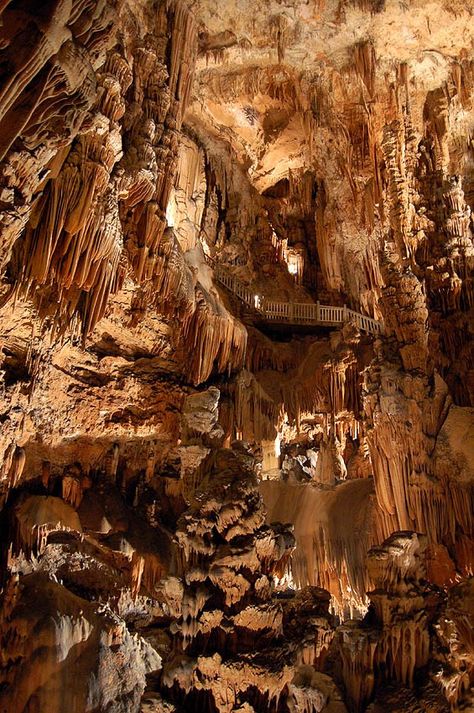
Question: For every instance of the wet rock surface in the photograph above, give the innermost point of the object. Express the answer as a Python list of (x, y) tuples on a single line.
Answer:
[(202, 508)]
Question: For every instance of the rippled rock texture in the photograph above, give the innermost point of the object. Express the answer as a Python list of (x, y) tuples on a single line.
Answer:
[(202, 509)]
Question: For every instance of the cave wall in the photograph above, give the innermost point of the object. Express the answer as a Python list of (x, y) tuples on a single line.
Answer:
[(155, 432)]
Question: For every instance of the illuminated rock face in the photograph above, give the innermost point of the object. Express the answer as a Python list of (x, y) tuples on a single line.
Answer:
[(202, 509)]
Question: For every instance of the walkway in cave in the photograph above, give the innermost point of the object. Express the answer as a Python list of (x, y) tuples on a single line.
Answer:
[(295, 313)]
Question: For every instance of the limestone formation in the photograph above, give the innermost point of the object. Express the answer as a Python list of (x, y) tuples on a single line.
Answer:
[(236, 356)]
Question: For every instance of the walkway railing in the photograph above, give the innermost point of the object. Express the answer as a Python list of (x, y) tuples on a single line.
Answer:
[(294, 312)]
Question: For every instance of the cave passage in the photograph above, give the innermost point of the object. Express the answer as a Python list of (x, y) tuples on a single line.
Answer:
[(236, 356)]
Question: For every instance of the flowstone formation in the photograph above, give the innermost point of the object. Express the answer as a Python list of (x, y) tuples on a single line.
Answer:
[(236, 320)]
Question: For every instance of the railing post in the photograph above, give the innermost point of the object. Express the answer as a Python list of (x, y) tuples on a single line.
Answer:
[(303, 311)]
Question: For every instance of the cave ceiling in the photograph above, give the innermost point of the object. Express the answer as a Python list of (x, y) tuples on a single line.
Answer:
[(236, 356), (277, 68)]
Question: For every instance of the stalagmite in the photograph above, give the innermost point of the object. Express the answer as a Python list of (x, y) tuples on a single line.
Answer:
[(236, 356)]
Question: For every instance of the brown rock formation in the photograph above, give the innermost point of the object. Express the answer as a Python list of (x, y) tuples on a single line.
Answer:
[(236, 320)]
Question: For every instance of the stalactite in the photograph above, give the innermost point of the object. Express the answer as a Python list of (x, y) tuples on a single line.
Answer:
[(215, 339), (74, 235), (448, 279), (397, 185), (36, 516), (257, 416), (47, 96), (398, 642), (16, 468), (365, 64), (454, 631), (330, 170), (71, 490), (327, 553), (153, 137), (262, 353), (358, 656), (226, 547)]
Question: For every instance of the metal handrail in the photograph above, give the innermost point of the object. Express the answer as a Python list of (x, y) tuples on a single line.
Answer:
[(294, 312)]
